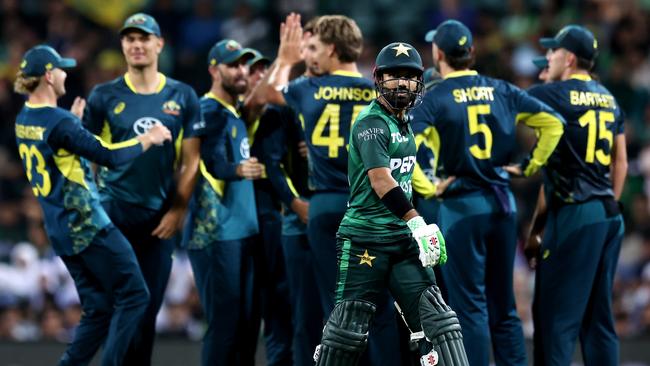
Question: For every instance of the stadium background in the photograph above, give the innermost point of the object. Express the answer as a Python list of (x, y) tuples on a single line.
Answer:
[(38, 302)]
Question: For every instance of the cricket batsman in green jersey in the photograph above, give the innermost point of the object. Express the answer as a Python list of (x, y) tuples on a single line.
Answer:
[(382, 241)]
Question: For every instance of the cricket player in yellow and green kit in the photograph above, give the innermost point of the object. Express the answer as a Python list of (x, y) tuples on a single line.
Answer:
[(382, 241)]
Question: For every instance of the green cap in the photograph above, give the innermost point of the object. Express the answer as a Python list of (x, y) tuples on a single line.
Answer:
[(577, 39), (227, 51), (452, 37), (39, 59), (258, 57), (541, 62), (143, 22)]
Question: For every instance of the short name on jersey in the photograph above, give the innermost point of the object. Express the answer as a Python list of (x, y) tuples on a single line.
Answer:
[(344, 94), (475, 93), (591, 99), (28, 132), (405, 164)]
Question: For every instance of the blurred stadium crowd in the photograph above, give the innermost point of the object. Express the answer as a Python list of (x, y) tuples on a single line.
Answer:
[(38, 299)]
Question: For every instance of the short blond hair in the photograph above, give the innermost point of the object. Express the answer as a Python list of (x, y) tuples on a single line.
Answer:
[(25, 84), (343, 33)]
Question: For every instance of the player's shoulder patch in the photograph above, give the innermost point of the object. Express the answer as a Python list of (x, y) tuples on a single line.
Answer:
[(372, 123)]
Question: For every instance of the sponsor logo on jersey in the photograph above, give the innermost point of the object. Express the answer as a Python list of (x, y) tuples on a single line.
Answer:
[(233, 132), (407, 186), (142, 125), (244, 148), (397, 137), (370, 133), (171, 107), (119, 108), (404, 164), (198, 125)]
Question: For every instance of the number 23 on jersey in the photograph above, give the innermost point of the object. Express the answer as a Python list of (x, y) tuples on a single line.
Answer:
[(28, 154)]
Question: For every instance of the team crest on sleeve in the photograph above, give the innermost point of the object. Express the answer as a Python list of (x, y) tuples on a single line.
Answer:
[(171, 107), (119, 108), (142, 125)]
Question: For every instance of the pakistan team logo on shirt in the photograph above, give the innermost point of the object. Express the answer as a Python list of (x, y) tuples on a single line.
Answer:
[(142, 125), (244, 148)]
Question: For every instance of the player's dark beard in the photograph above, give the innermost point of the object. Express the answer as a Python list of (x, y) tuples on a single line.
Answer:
[(233, 89), (401, 97)]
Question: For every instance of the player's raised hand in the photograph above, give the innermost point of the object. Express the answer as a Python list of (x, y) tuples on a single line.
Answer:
[(430, 242), (78, 107), (158, 134), (290, 40), (250, 169)]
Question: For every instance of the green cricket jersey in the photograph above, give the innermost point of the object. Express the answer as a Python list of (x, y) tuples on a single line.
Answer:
[(377, 140)]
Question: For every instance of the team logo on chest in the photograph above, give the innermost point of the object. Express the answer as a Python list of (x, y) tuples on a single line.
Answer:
[(171, 107), (142, 125)]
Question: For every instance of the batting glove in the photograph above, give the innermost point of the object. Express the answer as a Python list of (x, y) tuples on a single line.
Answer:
[(430, 242)]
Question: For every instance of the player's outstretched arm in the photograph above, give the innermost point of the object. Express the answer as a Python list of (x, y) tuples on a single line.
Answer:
[(72, 137)]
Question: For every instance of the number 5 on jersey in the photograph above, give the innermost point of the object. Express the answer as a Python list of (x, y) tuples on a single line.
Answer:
[(473, 111), (331, 116)]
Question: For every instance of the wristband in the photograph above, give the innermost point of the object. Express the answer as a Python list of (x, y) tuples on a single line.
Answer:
[(396, 202), (416, 223)]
